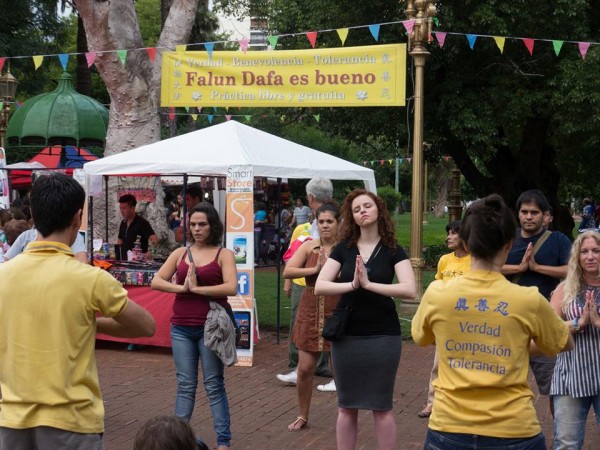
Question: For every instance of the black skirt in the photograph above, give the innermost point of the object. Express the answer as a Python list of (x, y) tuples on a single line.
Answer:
[(365, 371)]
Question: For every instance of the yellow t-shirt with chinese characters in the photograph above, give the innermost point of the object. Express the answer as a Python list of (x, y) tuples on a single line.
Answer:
[(482, 325), (48, 374), (450, 266)]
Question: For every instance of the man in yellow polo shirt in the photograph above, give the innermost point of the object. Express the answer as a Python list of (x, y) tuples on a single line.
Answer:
[(50, 392)]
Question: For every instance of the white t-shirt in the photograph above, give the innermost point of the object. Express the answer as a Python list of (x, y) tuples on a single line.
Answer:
[(31, 235)]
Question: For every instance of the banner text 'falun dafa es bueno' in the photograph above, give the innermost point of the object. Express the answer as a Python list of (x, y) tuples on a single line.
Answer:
[(350, 76)]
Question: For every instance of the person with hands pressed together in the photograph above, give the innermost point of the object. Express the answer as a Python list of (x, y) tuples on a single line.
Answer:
[(576, 381), (362, 268), (204, 271), (313, 309), (538, 257)]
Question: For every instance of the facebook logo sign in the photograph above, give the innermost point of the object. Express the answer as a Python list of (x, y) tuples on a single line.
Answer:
[(243, 283)]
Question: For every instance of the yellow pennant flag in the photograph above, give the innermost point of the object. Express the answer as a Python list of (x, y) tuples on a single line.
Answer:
[(500, 42), (180, 48), (343, 34), (194, 117), (37, 61)]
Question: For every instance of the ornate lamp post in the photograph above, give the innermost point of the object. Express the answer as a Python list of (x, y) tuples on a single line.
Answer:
[(422, 12), (8, 89)]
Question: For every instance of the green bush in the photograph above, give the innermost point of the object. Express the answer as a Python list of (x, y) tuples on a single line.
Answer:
[(390, 197), (432, 255)]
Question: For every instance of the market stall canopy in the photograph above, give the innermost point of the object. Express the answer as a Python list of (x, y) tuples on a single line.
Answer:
[(61, 117), (211, 151), (57, 157)]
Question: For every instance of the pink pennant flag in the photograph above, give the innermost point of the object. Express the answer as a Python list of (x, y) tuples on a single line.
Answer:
[(90, 57), (2, 61), (409, 25), (446, 157), (244, 44), (529, 44), (199, 108), (228, 117), (151, 53), (441, 38), (312, 38), (381, 162), (409, 160), (171, 113), (583, 48)]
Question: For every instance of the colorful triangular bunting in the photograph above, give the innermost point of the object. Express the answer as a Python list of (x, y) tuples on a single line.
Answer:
[(529, 43), (471, 38), (374, 29), (441, 38), (122, 54), (151, 53), (209, 46), (273, 41), (343, 34), (557, 46), (583, 48), (244, 44), (37, 61), (312, 38), (90, 57), (64, 60), (500, 42)]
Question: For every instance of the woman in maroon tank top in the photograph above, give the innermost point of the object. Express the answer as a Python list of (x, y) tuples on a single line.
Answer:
[(204, 271)]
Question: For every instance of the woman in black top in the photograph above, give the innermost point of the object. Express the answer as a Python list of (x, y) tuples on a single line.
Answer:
[(366, 358)]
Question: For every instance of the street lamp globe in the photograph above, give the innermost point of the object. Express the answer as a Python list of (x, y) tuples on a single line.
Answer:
[(8, 86)]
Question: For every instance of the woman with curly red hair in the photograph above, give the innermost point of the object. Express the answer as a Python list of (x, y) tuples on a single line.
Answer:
[(362, 268)]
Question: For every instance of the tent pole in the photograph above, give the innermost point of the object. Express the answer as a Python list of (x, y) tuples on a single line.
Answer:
[(106, 208), (278, 219), (184, 218), (90, 236)]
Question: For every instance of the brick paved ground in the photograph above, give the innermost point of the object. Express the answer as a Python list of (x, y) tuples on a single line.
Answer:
[(141, 384)]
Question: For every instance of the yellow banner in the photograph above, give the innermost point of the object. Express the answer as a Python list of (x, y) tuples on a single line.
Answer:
[(348, 76)]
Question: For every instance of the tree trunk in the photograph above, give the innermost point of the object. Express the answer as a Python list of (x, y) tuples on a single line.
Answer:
[(134, 89), (441, 174)]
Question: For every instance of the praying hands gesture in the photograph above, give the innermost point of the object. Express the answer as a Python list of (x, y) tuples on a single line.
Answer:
[(191, 281), (590, 310), (361, 278)]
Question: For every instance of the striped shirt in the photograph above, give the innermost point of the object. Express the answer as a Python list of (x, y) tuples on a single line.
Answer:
[(577, 373)]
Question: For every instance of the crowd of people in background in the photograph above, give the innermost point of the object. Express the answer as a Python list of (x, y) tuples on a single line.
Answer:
[(509, 295)]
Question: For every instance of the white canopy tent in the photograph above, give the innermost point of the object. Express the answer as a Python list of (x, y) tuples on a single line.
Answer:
[(211, 151)]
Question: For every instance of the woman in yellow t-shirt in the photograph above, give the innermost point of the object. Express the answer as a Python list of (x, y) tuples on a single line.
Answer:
[(482, 326)]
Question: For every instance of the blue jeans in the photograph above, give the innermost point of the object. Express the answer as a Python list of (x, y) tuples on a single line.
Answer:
[(188, 347), (570, 416), (437, 440)]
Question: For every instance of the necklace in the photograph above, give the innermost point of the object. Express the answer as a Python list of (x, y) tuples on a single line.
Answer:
[(366, 251)]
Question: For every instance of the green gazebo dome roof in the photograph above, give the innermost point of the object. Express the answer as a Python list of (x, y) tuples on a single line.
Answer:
[(61, 117)]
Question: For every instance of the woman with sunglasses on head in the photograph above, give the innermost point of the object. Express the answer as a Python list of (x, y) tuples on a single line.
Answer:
[(483, 326), (361, 268)]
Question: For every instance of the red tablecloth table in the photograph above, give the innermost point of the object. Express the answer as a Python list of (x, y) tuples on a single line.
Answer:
[(160, 305)]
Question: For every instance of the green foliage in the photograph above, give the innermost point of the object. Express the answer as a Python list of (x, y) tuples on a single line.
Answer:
[(31, 27), (432, 255), (389, 196)]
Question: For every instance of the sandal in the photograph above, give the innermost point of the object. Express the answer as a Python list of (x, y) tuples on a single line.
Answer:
[(298, 424)]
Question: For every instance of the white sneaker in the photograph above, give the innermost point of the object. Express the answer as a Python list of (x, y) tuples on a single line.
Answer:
[(327, 387), (288, 378)]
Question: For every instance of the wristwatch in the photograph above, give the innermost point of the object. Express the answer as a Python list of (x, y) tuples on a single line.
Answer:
[(576, 325)]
